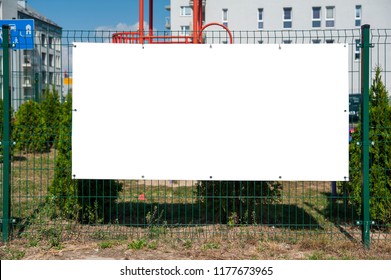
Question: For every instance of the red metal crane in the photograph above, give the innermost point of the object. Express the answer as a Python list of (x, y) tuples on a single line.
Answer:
[(141, 36)]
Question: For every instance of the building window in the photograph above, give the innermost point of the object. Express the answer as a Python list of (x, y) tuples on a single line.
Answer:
[(51, 42), (260, 18), (51, 60), (58, 79), (51, 78), (357, 17), (357, 49), (225, 17), (330, 16), (58, 44), (316, 17), (43, 40), (58, 62), (287, 22), (44, 77), (185, 30), (186, 11), (43, 56)]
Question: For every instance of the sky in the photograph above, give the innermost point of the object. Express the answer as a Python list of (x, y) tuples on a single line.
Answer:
[(98, 14)]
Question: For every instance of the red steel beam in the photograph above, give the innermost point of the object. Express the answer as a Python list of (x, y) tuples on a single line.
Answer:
[(195, 21), (150, 17), (141, 21)]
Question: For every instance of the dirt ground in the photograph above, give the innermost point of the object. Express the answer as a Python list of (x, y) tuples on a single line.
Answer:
[(178, 249)]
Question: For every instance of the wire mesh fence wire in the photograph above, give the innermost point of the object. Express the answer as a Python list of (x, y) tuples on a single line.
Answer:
[(174, 208)]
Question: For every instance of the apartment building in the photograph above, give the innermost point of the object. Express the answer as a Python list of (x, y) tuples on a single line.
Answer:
[(295, 21), (34, 70), (284, 14)]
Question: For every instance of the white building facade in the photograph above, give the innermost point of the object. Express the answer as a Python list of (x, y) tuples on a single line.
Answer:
[(296, 21), (285, 14)]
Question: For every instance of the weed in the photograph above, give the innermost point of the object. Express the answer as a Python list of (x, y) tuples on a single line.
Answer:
[(233, 219), (33, 242), (154, 218), (106, 244), (210, 246), (53, 236), (188, 244), (317, 255), (153, 245), (13, 254), (137, 244), (99, 234), (156, 231)]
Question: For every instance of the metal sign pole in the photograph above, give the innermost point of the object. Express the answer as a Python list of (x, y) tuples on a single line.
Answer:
[(6, 135), (365, 50)]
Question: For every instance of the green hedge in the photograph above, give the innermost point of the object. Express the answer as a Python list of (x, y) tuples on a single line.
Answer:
[(236, 202), (380, 156), (89, 201), (29, 130)]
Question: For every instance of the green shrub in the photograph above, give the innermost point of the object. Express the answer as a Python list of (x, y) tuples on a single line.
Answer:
[(380, 156), (51, 113), (89, 201), (236, 202), (30, 132), (63, 188)]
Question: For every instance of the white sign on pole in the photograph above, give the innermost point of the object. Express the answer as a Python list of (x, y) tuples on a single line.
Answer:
[(210, 112)]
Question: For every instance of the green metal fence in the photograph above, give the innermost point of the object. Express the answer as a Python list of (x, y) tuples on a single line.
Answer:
[(44, 200)]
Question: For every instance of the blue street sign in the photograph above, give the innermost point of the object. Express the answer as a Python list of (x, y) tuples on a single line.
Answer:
[(21, 33)]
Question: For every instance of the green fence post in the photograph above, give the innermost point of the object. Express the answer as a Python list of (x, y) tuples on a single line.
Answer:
[(365, 80), (6, 135), (36, 80)]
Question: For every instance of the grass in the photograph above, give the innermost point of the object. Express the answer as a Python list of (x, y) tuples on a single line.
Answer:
[(170, 211)]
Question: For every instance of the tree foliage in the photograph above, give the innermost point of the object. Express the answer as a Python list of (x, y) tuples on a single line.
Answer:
[(51, 114), (29, 130), (89, 201), (380, 156), (236, 202)]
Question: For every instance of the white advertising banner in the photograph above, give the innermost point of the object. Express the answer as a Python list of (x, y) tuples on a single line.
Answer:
[(210, 112)]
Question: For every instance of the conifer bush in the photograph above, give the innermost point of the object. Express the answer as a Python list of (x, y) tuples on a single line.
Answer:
[(51, 114), (380, 156), (89, 201), (236, 202), (29, 130)]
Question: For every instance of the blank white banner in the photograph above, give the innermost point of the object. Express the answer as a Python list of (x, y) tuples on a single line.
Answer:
[(210, 112)]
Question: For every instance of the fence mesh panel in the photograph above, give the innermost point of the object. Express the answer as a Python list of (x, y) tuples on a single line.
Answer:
[(284, 210)]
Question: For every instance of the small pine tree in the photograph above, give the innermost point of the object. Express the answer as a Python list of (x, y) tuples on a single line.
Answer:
[(87, 200), (63, 188), (29, 131), (51, 113), (380, 156)]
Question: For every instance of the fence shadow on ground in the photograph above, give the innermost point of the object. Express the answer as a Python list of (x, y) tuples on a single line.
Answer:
[(339, 212), (136, 214)]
